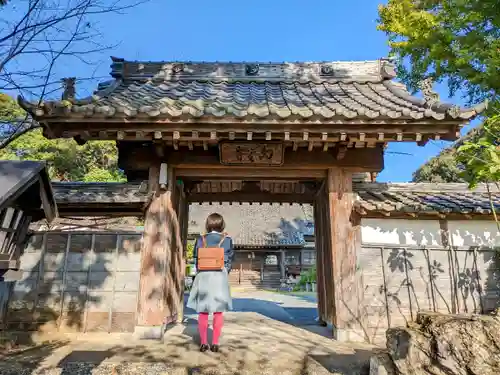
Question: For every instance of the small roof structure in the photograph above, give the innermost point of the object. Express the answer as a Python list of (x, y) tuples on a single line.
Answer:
[(420, 199), (310, 94), (20, 177)]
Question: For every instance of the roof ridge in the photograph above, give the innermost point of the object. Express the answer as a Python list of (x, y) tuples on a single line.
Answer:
[(363, 70), (423, 187)]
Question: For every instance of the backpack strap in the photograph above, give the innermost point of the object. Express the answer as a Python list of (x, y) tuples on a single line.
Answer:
[(203, 241), (224, 235)]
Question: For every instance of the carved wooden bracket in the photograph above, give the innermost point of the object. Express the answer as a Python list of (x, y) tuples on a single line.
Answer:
[(190, 186), (340, 151), (250, 187), (311, 187), (159, 149)]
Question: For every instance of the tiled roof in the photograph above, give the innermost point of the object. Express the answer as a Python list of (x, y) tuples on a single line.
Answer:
[(376, 197), (266, 225), (273, 225), (425, 198), (98, 193), (283, 91)]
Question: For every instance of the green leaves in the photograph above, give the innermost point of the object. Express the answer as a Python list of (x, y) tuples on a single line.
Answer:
[(481, 159), (453, 40), (96, 161)]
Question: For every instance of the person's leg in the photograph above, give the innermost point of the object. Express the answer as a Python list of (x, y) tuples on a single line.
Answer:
[(218, 323), (203, 328)]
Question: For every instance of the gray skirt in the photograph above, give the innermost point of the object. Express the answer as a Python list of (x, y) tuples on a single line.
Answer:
[(210, 292)]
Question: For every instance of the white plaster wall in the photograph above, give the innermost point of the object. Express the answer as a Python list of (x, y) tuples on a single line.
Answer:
[(474, 233), (401, 232)]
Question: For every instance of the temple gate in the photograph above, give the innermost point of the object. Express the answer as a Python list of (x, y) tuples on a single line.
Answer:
[(237, 132)]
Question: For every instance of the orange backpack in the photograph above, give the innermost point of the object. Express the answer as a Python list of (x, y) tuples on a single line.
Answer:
[(211, 258)]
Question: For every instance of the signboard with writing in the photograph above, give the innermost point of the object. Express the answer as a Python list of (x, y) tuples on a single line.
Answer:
[(251, 153)]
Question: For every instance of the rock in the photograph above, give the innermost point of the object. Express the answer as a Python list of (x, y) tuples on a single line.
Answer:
[(381, 364), (441, 344)]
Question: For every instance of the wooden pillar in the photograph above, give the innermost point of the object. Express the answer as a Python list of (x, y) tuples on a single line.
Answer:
[(161, 265), (183, 213), (338, 240), (345, 243), (282, 264), (319, 243)]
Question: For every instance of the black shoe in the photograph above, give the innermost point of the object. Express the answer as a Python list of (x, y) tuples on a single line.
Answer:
[(214, 348), (203, 348)]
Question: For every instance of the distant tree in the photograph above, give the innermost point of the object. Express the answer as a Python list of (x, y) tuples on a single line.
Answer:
[(95, 161), (38, 37), (445, 167)]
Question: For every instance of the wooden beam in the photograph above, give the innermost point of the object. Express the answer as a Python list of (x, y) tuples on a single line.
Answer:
[(240, 173), (359, 160), (251, 197), (335, 128)]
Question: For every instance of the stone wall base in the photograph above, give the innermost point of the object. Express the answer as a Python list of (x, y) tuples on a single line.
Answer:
[(349, 334), (149, 332)]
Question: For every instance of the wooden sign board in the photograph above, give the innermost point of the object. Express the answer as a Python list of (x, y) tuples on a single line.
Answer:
[(251, 153)]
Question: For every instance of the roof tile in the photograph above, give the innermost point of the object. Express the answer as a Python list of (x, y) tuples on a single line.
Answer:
[(354, 90)]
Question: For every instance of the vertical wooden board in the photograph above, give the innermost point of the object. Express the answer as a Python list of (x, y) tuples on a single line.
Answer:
[(32, 256), (48, 308), (127, 281), (73, 312), (468, 282), (21, 304), (50, 282), (104, 249), (101, 281), (489, 265), (34, 244), (419, 282), (27, 284), (123, 311), (327, 256), (129, 253), (55, 252), (320, 273), (76, 282), (79, 256), (373, 303), (98, 307), (397, 290), (441, 272)]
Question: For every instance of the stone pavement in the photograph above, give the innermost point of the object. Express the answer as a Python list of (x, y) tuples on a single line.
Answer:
[(252, 343), (292, 309)]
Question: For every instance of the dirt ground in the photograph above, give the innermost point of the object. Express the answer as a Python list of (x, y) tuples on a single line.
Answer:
[(252, 344)]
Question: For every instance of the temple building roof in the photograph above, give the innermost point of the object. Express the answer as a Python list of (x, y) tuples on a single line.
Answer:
[(322, 92)]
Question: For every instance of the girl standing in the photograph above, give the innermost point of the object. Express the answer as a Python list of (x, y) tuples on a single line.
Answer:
[(210, 293)]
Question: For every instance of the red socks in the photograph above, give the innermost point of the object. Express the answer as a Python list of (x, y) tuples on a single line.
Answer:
[(218, 323), (203, 327)]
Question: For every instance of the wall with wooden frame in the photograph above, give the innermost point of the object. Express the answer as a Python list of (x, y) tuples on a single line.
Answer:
[(448, 266), (76, 281)]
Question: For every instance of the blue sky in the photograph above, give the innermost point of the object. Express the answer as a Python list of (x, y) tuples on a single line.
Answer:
[(258, 30)]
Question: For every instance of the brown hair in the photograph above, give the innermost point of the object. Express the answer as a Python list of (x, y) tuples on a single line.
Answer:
[(215, 222)]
